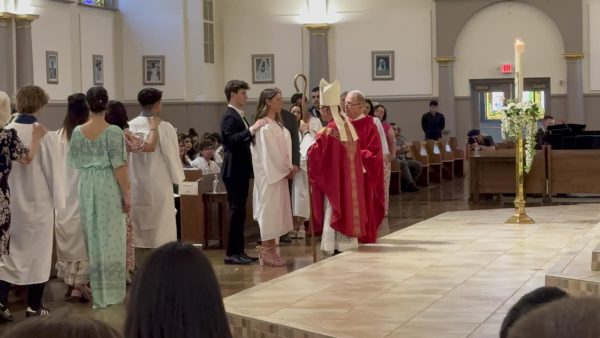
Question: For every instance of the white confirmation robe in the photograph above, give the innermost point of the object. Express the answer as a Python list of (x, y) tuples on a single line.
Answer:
[(36, 190), (152, 178), (272, 162), (70, 244)]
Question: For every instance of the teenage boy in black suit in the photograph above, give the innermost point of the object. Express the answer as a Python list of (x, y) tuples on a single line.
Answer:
[(236, 170)]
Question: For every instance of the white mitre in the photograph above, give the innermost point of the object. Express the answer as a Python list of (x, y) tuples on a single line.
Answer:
[(330, 96)]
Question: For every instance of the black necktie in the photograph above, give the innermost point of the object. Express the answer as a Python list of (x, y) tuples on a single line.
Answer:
[(246, 121)]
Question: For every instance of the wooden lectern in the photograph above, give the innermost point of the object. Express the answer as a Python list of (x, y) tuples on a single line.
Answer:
[(192, 208)]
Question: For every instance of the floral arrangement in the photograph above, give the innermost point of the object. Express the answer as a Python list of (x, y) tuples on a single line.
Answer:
[(520, 118)]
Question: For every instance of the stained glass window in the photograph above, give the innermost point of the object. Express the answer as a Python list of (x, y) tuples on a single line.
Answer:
[(209, 34), (97, 3)]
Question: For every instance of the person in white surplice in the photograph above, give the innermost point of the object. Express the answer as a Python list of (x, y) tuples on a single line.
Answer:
[(72, 260), (36, 190), (152, 178), (272, 163)]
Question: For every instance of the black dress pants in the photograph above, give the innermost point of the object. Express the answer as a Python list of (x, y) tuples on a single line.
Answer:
[(35, 292), (237, 195)]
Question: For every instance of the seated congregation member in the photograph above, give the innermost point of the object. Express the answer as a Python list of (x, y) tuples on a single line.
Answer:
[(410, 169), (534, 299), (547, 121), (336, 177), (272, 163), (477, 139), (565, 318), (185, 160), (218, 145), (117, 115), (59, 327), (176, 294), (36, 190), (72, 261), (372, 152), (152, 178), (97, 150), (190, 149), (193, 134), (204, 162)]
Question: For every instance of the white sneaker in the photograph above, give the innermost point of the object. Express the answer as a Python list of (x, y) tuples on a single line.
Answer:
[(292, 234), (301, 233)]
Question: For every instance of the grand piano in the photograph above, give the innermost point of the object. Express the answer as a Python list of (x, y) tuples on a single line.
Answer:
[(571, 136)]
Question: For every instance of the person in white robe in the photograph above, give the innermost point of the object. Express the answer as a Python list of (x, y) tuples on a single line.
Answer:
[(152, 177), (72, 260), (272, 164), (300, 192), (36, 190), (204, 162)]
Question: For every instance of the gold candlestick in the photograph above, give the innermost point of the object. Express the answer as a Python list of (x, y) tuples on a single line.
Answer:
[(520, 216)]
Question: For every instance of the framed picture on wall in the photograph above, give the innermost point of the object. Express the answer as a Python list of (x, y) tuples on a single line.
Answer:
[(51, 67), (263, 68), (98, 69), (382, 65), (154, 69)]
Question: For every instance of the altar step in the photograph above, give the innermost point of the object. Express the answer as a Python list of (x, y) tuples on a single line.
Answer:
[(578, 272)]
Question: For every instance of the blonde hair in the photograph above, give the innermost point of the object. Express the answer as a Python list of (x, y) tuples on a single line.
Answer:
[(5, 111)]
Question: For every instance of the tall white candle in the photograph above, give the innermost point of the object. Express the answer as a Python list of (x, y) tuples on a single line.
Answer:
[(519, 51)]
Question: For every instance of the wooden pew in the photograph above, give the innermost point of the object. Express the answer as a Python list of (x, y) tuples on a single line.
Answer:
[(494, 173), (447, 159), (573, 171), (459, 157), (435, 161), (419, 153), (395, 178)]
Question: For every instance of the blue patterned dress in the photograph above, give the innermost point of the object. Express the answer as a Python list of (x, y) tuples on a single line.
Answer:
[(102, 216), (11, 149)]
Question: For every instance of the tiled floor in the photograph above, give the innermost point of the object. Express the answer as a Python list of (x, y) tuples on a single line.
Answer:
[(405, 209), (455, 275)]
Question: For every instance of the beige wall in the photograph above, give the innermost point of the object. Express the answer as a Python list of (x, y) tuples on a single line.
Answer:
[(76, 33), (487, 41), (174, 28)]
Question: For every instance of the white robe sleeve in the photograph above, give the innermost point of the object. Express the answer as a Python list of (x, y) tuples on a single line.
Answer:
[(169, 146), (384, 145), (271, 152), (53, 169)]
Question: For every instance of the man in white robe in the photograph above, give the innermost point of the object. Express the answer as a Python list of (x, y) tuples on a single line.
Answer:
[(36, 190), (152, 178)]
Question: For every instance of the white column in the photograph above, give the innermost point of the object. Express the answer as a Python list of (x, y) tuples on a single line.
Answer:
[(446, 100), (575, 112), (318, 54), (24, 47), (6, 51)]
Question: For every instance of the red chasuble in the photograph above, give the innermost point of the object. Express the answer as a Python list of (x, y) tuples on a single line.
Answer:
[(372, 158), (335, 171)]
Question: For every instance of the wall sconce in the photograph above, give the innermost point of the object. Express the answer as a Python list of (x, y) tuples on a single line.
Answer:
[(317, 13)]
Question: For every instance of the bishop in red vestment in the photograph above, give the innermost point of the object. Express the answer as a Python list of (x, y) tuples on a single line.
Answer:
[(372, 159), (335, 172)]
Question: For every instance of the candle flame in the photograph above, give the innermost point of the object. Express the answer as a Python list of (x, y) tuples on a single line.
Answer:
[(519, 46)]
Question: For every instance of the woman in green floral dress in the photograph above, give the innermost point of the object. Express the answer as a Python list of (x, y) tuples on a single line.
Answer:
[(98, 151)]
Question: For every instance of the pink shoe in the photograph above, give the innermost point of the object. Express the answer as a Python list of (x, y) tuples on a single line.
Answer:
[(269, 257)]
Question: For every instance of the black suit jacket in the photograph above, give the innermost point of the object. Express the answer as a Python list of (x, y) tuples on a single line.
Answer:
[(237, 158), (289, 122)]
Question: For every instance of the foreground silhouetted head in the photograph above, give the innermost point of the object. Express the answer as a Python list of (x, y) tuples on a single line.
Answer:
[(176, 294)]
